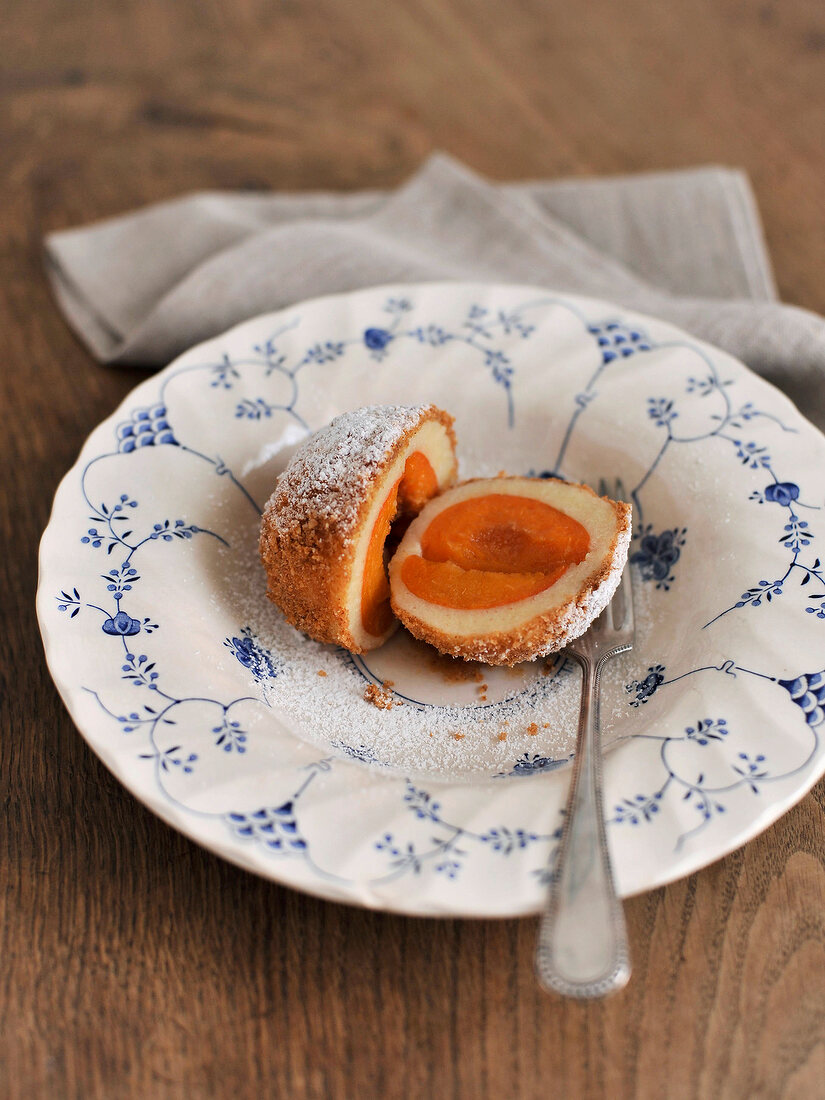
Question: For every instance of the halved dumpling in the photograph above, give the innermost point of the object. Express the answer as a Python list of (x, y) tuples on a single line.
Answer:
[(325, 528), (505, 569)]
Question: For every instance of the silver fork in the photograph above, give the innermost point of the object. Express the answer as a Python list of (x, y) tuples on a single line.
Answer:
[(582, 945)]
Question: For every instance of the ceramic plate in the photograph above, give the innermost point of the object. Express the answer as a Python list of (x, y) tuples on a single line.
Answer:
[(447, 799)]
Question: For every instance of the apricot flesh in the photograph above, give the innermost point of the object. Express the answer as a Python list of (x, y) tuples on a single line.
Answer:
[(418, 484), (376, 613), (448, 585), (408, 496), (493, 550)]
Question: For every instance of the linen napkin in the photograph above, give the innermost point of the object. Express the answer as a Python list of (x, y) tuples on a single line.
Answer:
[(686, 246)]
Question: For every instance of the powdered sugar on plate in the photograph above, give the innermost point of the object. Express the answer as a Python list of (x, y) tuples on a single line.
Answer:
[(407, 709)]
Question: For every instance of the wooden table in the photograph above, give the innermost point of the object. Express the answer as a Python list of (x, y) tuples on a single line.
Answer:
[(134, 964)]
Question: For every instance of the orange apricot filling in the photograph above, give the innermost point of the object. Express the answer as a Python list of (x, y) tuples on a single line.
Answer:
[(418, 484), (448, 585), (409, 495), (376, 613), (494, 550)]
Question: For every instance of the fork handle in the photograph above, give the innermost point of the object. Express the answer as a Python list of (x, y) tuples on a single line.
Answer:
[(582, 945)]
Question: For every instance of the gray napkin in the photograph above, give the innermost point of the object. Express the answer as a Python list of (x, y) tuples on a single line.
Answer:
[(685, 246)]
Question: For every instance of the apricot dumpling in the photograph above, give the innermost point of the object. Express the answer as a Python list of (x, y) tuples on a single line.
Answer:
[(344, 497), (506, 569)]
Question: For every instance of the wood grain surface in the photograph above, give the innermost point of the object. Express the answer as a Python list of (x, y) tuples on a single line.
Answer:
[(134, 964)]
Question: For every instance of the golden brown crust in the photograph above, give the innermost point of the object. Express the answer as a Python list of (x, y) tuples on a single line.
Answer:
[(542, 633), (307, 578), (310, 534)]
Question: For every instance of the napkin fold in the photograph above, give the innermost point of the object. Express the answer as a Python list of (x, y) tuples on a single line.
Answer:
[(686, 246)]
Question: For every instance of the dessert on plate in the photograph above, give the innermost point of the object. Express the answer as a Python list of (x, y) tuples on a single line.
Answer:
[(365, 529), (326, 527), (506, 569)]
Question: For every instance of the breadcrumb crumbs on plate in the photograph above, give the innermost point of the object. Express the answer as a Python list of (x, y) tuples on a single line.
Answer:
[(321, 672), (533, 729), (378, 697)]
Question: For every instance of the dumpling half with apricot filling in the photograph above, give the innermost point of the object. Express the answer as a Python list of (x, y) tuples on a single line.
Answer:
[(339, 508), (506, 569)]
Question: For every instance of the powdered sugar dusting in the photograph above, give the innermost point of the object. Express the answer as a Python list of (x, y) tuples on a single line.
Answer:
[(329, 478)]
